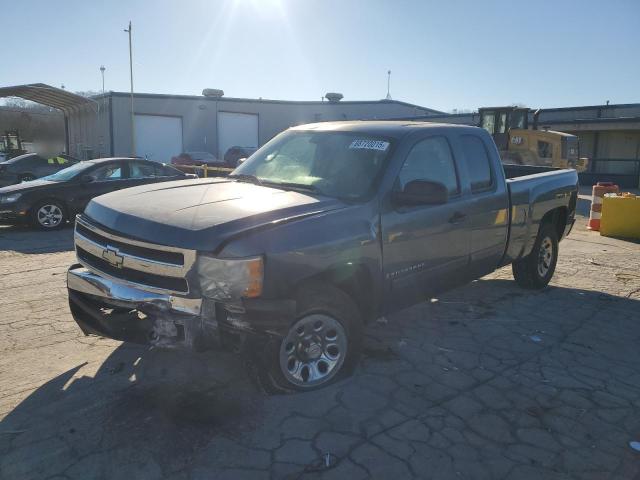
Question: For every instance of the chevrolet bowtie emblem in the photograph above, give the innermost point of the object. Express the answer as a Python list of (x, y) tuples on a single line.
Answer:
[(112, 255)]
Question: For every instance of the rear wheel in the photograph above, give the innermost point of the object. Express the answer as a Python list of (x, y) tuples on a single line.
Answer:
[(536, 270), (48, 215), (321, 345)]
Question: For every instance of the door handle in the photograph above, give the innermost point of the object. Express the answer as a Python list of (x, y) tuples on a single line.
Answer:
[(457, 217)]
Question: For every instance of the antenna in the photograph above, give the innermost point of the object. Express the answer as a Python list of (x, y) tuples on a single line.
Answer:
[(388, 85)]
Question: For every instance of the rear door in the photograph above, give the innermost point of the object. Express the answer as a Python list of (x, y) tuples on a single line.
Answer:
[(425, 247), (487, 205)]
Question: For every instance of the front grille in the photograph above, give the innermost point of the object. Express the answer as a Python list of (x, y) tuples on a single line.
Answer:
[(154, 267), (175, 258), (134, 276)]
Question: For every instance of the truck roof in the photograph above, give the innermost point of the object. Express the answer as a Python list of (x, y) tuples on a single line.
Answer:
[(389, 128)]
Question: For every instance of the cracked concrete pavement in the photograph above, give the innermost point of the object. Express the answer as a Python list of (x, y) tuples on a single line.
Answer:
[(488, 381)]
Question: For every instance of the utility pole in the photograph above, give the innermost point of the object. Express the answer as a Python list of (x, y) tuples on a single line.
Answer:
[(389, 85), (133, 123), (103, 109), (102, 69)]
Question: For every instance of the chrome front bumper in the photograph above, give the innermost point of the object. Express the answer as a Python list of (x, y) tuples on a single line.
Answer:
[(81, 280)]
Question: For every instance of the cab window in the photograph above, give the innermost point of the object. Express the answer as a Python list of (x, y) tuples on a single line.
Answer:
[(478, 163), (431, 160)]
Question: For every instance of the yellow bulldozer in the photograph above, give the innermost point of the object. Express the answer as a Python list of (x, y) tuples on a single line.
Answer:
[(521, 145)]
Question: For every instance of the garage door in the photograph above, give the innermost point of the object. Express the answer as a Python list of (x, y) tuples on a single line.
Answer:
[(236, 130), (158, 138)]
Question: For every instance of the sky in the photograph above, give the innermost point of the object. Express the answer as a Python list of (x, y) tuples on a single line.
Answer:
[(442, 54)]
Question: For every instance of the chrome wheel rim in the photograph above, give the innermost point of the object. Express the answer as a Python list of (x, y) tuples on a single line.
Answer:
[(49, 216), (313, 351), (545, 256)]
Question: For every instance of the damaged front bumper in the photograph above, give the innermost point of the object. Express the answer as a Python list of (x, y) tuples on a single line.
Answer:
[(104, 307)]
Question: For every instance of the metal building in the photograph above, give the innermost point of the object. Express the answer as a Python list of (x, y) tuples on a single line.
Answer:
[(165, 125)]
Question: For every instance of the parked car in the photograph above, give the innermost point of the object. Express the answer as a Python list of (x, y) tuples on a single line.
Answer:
[(233, 155), (30, 166), (50, 201), (197, 158), (326, 228)]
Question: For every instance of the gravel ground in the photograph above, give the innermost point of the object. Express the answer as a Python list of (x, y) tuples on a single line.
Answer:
[(489, 381)]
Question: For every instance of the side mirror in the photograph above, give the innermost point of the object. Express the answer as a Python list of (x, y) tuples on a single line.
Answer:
[(422, 192), (240, 161), (86, 179)]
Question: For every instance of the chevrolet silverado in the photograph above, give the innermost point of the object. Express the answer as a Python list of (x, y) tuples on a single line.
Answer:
[(324, 228)]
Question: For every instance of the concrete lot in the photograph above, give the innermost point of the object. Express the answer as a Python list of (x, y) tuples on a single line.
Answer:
[(489, 381)]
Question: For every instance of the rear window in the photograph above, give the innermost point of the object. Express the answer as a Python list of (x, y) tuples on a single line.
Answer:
[(167, 171), (478, 163)]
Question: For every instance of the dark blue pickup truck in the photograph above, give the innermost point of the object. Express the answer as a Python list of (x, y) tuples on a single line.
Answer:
[(323, 229)]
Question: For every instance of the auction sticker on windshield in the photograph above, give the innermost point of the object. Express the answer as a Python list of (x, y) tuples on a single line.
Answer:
[(369, 144)]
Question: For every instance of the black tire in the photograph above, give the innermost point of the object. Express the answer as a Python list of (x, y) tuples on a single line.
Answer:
[(314, 303), (536, 270), (49, 215), (27, 177)]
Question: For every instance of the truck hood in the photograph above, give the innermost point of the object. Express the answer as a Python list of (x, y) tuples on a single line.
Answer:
[(201, 214)]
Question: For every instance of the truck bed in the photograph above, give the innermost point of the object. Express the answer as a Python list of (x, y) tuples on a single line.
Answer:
[(534, 191)]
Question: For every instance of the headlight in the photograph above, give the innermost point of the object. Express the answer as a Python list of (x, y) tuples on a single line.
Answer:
[(13, 197), (230, 279)]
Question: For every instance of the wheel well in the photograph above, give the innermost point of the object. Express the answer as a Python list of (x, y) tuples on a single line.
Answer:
[(356, 282), (556, 217)]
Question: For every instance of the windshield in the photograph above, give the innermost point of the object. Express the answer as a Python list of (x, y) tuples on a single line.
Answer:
[(68, 173), (337, 164)]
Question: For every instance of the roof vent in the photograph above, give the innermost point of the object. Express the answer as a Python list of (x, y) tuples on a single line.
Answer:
[(213, 92), (333, 97)]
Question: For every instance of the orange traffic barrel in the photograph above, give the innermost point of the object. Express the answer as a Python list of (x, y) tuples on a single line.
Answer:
[(597, 194)]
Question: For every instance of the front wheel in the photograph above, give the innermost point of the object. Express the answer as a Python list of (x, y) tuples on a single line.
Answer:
[(321, 345), (536, 269), (48, 215)]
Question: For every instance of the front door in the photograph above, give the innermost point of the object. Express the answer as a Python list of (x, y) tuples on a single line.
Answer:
[(105, 178), (425, 247)]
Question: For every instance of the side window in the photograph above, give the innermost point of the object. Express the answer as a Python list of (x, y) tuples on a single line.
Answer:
[(141, 170), (488, 121), (430, 159), (545, 149), (478, 163), (165, 171), (112, 171)]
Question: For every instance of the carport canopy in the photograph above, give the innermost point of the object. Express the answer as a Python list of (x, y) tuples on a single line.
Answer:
[(48, 95)]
